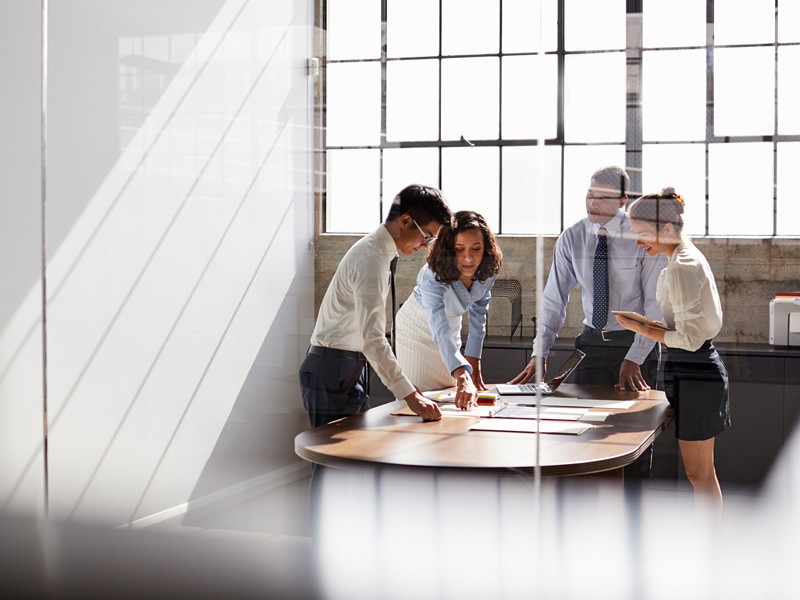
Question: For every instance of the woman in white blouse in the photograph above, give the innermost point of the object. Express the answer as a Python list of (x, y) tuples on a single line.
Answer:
[(695, 380), (461, 269)]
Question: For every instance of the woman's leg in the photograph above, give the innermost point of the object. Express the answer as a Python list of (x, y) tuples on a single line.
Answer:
[(698, 459)]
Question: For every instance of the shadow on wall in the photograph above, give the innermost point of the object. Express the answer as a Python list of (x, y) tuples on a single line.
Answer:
[(159, 297), (255, 450)]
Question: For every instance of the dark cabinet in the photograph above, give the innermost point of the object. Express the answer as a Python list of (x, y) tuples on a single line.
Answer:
[(791, 398), (499, 365), (745, 452)]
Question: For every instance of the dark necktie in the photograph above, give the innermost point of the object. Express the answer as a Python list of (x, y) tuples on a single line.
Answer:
[(392, 276), (600, 301)]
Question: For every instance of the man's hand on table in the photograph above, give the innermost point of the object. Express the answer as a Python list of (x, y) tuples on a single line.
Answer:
[(427, 409), (630, 377), (529, 373)]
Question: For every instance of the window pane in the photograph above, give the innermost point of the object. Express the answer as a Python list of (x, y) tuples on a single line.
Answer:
[(354, 29), (751, 22), (470, 98), (470, 181), (412, 100), (353, 104), (788, 206), (522, 24), (404, 166), (594, 24), (682, 166), (788, 90), (580, 163), (671, 23), (594, 97), (740, 205), (788, 21), (526, 208), (470, 26), (674, 95), (530, 97), (744, 91), (412, 28), (352, 191)]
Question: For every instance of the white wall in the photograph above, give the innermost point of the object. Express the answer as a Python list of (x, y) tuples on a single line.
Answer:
[(179, 212)]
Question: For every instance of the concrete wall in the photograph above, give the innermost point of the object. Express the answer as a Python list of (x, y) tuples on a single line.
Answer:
[(748, 273)]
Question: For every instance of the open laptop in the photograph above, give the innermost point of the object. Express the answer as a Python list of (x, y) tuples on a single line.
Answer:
[(547, 388)]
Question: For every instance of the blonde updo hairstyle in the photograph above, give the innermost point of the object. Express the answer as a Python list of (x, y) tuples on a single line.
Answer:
[(659, 209)]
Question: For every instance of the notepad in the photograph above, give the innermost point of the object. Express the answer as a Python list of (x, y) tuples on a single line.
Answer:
[(530, 426)]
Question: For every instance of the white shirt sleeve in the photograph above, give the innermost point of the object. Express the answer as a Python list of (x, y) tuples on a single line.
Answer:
[(685, 284), (370, 309)]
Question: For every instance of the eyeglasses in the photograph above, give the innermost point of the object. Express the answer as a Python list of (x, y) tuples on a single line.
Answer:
[(426, 239)]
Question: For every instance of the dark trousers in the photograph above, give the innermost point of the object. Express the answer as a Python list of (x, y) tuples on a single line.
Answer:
[(601, 366), (333, 386)]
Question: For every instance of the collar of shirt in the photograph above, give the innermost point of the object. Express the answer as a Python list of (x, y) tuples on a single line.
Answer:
[(389, 247), (678, 250), (613, 227)]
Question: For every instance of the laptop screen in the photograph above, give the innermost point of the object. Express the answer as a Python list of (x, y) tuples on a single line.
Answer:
[(568, 367)]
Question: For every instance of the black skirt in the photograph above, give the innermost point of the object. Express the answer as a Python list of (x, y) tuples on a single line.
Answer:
[(696, 384)]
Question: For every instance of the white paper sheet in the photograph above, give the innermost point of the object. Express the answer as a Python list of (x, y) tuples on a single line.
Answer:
[(530, 426), (573, 402), (557, 413)]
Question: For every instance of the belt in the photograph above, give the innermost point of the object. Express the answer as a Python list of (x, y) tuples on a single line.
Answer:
[(608, 336), (336, 353)]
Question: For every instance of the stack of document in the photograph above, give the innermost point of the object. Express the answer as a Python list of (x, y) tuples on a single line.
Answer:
[(553, 415)]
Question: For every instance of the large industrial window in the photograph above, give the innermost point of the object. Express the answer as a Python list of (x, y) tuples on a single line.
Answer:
[(510, 105)]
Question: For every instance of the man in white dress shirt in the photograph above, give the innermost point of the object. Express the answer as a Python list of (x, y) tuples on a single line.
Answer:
[(351, 326)]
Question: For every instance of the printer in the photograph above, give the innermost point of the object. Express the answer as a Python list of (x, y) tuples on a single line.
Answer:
[(784, 321)]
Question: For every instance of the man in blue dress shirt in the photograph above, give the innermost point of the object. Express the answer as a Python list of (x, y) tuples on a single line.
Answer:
[(614, 356)]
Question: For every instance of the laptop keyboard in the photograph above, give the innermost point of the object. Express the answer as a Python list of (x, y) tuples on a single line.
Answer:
[(527, 388), (523, 389)]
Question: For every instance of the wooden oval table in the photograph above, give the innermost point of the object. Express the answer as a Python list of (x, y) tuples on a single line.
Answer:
[(377, 438)]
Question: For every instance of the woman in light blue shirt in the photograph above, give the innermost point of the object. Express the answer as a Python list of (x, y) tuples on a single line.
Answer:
[(458, 277)]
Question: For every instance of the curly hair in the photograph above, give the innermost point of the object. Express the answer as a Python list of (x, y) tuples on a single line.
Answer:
[(442, 254)]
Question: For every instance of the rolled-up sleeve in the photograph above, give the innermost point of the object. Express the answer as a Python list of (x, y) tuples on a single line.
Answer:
[(478, 312), (431, 298)]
